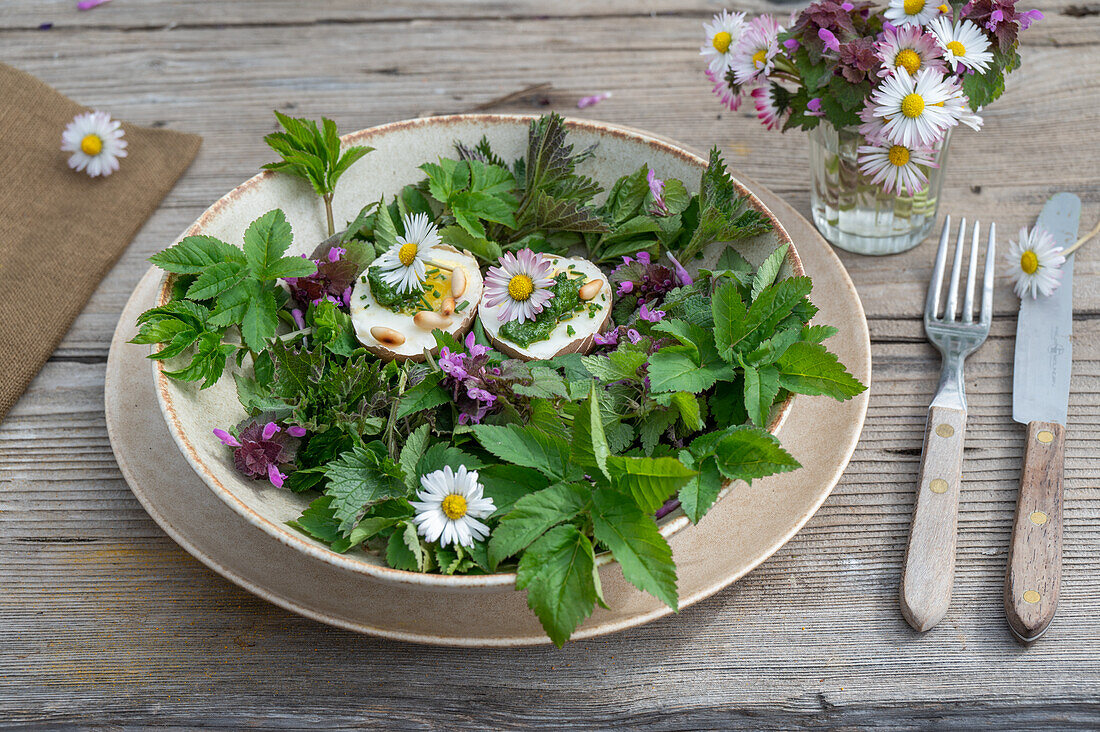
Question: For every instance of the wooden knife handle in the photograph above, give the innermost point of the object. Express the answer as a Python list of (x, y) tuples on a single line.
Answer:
[(930, 555), (1034, 572)]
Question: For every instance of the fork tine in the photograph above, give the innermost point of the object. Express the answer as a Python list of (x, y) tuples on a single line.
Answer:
[(935, 285), (956, 271), (987, 283), (971, 275)]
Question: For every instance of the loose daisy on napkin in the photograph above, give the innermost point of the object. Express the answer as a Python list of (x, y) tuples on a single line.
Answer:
[(95, 141)]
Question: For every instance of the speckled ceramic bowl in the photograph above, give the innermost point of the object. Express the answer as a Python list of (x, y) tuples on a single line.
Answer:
[(400, 147)]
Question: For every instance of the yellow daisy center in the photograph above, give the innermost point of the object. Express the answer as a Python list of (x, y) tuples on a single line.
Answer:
[(453, 507), (520, 287), (912, 7), (956, 48), (407, 253), (91, 145), (1029, 262), (721, 41), (760, 57), (899, 155), (912, 105), (944, 8), (908, 59)]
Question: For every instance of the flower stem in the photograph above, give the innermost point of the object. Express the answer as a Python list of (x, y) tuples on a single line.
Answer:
[(327, 198), (1080, 242)]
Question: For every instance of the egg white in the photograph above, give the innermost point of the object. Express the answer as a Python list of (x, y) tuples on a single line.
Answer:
[(559, 341), (366, 313)]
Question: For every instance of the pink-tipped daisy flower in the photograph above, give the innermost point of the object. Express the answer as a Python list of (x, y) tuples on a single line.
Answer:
[(755, 53), (767, 111), (898, 169), (909, 48), (522, 282)]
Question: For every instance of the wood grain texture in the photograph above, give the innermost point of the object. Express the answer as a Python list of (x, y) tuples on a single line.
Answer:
[(1034, 573), (103, 620), (928, 571)]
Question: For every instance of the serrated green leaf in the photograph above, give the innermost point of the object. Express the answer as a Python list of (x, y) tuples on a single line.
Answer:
[(358, 480), (768, 270), (214, 280), (532, 515), (636, 543), (260, 319), (700, 493), (808, 368), (194, 254), (558, 572), (528, 447), (729, 316), (761, 388), (265, 241), (673, 369), (411, 452), (589, 441), (746, 453), (650, 480), (425, 395)]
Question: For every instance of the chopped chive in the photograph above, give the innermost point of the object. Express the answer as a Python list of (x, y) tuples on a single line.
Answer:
[(462, 306), (571, 331)]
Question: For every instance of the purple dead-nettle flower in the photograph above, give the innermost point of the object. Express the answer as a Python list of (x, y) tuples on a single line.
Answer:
[(653, 316), (263, 450), (625, 287), (633, 335), (474, 348), (813, 107), (296, 431), (681, 273), (657, 189), (646, 280), (336, 253), (610, 338), (829, 39), (452, 364), (299, 319), (332, 281)]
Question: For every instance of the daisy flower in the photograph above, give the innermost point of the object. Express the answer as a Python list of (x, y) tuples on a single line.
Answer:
[(523, 282), (402, 265), (963, 44), (909, 48), (449, 507), (730, 98), (911, 12), (1034, 263), (960, 107), (914, 107), (895, 167), (95, 141), (723, 32), (767, 111), (873, 128), (755, 52)]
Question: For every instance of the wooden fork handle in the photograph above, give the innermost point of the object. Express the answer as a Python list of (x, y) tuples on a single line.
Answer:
[(1034, 572), (929, 569)]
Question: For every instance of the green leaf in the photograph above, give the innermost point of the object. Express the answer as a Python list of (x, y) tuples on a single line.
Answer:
[(214, 280), (358, 480), (808, 368), (440, 455), (527, 446), (700, 493), (291, 267), (637, 544), (425, 395), (459, 238), (163, 330), (319, 522), (774, 303), (533, 515), (750, 452), (404, 550), (589, 441), (194, 254), (265, 241), (650, 480), (553, 213), (690, 412), (411, 452), (817, 333), (769, 270), (729, 316), (761, 388), (695, 337), (558, 572), (506, 484), (260, 319), (673, 369)]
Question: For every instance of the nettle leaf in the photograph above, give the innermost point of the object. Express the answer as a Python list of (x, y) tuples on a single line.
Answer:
[(774, 303), (808, 368), (723, 216), (637, 544), (589, 441), (729, 316), (195, 253), (533, 515), (425, 395), (565, 215), (265, 241), (768, 270), (559, 573), (359, 479), (673, 369), (528, 447), (746, 453), (215, 279), (700, 493), (411, 452), (650, 480), (260, 319), (761, 388), (695, 337)]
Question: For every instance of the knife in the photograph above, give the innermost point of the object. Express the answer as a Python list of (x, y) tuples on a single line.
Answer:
[(1040, 399)]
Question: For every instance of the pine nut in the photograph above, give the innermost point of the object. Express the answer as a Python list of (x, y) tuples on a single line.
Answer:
[(458, 282), (447, 307), (590, 289), (428, 320), (387, 336)]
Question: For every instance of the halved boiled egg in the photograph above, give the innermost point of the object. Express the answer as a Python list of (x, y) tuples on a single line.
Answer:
[(452, 291), (573, 331)]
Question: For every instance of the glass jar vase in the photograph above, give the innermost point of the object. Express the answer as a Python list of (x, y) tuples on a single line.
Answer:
[(856, 215)]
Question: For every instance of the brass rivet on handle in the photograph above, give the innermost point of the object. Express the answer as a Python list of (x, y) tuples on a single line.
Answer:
[(1039, 518), (1045, 437), (1031, 596), (938, 485), (945, 430)]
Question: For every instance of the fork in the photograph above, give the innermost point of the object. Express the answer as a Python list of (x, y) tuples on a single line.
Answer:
[(929, 569)]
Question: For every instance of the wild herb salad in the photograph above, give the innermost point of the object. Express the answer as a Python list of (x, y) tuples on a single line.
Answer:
[(456, 458)]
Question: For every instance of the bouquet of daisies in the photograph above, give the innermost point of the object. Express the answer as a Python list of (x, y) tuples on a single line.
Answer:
[(903, 75)]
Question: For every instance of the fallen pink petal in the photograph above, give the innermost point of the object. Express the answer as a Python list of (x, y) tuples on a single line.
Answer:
[(592, 100)]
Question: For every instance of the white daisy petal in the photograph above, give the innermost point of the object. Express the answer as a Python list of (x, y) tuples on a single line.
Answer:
[(96, 144), (911, 12), (1034, 263), (722, 34), (963, 43), (450, 505), (521, 282), (403, 265)]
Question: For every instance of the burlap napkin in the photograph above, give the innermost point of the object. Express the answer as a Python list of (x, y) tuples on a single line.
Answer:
[(60, 230)]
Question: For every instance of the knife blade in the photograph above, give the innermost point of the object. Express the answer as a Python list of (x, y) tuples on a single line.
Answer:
[(1040, 399)]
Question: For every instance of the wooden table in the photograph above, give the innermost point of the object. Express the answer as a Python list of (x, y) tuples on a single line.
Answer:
[(104, 619)]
